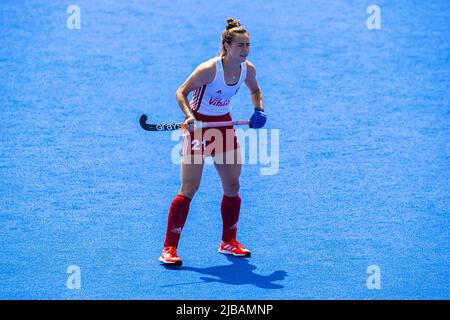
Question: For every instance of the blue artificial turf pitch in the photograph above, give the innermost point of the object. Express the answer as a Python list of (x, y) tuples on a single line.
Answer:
[(363, 175)]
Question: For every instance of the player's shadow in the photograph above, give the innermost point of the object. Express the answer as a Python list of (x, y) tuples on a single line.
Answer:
[(238, 273)]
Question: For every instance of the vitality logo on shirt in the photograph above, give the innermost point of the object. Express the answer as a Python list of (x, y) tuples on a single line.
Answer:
[(219, 102)]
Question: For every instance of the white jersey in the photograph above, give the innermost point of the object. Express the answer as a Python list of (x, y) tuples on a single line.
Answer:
[(214, 99)]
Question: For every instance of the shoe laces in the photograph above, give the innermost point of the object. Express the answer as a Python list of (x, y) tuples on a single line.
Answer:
[(172, 251), (236, 244)]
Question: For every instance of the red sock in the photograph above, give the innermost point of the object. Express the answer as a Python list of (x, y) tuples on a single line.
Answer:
[(178, 213), (230, 208)]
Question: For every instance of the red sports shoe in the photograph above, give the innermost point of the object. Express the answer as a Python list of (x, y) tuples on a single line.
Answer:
[(169, 257), (235, 248)]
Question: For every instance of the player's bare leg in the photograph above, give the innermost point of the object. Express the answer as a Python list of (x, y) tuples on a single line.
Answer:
[(191, 174)]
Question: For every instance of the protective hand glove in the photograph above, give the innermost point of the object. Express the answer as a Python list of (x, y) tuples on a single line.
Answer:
[(258, 119)]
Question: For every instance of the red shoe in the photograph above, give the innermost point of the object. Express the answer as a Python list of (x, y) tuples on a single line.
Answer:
[(235, 248), (169, 257)]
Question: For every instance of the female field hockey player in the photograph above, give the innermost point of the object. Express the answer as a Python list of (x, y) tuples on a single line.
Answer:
[(214, 82)]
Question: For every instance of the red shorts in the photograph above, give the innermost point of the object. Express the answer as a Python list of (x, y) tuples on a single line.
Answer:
[(209, 141)]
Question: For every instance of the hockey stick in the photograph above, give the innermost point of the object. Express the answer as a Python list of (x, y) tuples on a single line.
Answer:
[(180, 125)]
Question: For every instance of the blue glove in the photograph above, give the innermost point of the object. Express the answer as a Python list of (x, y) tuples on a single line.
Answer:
[(258, 119)]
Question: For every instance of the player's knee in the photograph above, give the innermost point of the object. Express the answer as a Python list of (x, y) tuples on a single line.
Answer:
[(231, 189), (188, 189)]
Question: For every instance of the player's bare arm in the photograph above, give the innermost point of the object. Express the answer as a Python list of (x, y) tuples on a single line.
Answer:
[(202, 75), (253, 86)]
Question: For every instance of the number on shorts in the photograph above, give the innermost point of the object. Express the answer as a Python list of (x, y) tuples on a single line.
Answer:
[(195, 144)]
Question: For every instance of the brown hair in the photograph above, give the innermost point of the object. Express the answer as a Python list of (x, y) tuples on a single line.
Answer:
[(233, 27)]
